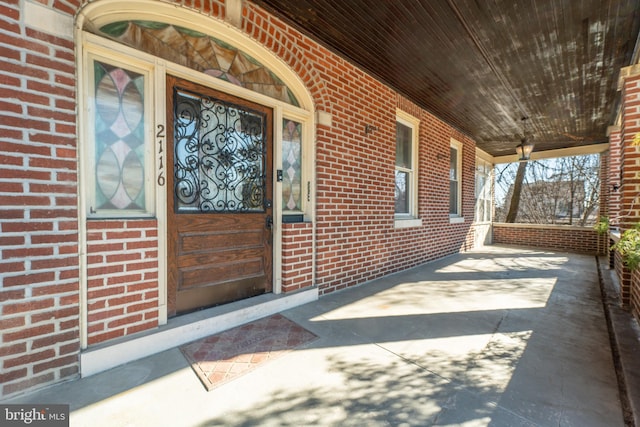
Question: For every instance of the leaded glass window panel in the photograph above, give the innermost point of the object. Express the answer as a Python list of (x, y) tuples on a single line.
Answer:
[(220, 156), (119, 129), (291, 165)]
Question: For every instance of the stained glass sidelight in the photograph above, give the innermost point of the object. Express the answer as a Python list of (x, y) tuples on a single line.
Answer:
[(220, 156), (291, 165), (119, 138)]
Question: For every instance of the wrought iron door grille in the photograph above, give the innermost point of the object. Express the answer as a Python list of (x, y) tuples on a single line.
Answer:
[(219, 155)]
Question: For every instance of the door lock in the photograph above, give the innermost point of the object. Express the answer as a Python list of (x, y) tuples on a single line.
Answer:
[(268, 222)]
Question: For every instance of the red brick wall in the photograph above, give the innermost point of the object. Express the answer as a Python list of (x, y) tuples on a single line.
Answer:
[(39, 263), (122, 278), (634, 295), (624, 278), (612, 205), (356, 238), (297, 256), (630, 154), (555, 237), (39, 288), (630, 188)]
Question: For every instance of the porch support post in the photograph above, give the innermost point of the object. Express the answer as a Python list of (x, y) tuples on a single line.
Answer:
[(629, 85), (611, 206)]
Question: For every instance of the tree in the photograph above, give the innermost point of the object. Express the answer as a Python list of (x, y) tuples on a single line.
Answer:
[(553, 191), (517, 190)]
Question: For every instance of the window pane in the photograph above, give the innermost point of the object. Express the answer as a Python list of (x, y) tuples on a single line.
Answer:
[(453, 197), (453, 182), (403, 146), (291, 165), (402, 189), (453, 168), (119, 138), (219, 150)]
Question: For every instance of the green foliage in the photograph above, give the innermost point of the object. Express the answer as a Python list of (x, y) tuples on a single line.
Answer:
[(629, 247), (602, 226)]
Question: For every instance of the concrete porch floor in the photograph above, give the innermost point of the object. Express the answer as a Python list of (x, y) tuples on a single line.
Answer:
[(498, 336)]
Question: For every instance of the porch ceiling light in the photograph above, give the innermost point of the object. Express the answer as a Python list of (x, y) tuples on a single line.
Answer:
[(524, 150), (525, 147)]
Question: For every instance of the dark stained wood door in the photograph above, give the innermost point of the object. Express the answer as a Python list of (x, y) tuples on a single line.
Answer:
[(219, 197)]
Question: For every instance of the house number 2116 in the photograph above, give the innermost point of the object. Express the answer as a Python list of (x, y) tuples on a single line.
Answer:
[(160, 138)]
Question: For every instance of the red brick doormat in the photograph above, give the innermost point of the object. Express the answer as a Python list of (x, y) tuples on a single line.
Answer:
[(220, 358)]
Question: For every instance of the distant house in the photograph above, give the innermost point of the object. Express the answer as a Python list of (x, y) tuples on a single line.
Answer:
[(548, 202)]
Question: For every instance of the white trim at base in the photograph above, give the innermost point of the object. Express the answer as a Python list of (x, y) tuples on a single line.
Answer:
[(189, 327)]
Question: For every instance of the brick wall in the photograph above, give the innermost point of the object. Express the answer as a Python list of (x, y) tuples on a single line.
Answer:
[(554, 237), (612, 205), (122, 278), (297, 256), (624, 278), (630, 185), (356, 238), (634, 295), (39, 263), (39, 288)]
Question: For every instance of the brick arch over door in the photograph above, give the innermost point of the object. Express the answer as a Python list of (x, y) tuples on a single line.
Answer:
[(285, 43), (288, 66)]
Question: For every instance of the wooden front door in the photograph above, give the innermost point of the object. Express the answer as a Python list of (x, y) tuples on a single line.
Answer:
[(219, 211)]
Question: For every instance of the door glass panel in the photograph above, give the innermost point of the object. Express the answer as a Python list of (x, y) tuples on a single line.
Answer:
[(219, 156)]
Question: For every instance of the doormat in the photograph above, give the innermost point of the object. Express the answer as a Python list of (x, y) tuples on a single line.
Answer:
[(220, 358)]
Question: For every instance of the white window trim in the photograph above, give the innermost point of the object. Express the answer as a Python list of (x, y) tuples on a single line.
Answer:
[(406, 220), (457, 217)]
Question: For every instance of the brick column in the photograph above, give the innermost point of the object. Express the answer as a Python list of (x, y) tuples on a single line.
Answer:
[(629, 191)]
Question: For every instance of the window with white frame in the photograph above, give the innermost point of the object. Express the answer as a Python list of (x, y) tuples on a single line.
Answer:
[(483, 190), (119, 166), (455, 179), (406, 170)]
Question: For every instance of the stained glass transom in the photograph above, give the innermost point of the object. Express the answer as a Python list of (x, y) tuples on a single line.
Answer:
[(200, 52), (119, 138), (291, 165)]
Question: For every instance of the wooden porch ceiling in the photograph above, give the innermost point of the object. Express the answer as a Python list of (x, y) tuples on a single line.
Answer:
[(483, 65)]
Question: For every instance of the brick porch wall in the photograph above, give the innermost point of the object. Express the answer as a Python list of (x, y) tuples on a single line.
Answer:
[(39, 287), (555, 237), (630, 180), (122, 278), (297, 256)]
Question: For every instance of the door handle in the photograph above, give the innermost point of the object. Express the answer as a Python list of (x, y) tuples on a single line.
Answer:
[(268, 223)]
